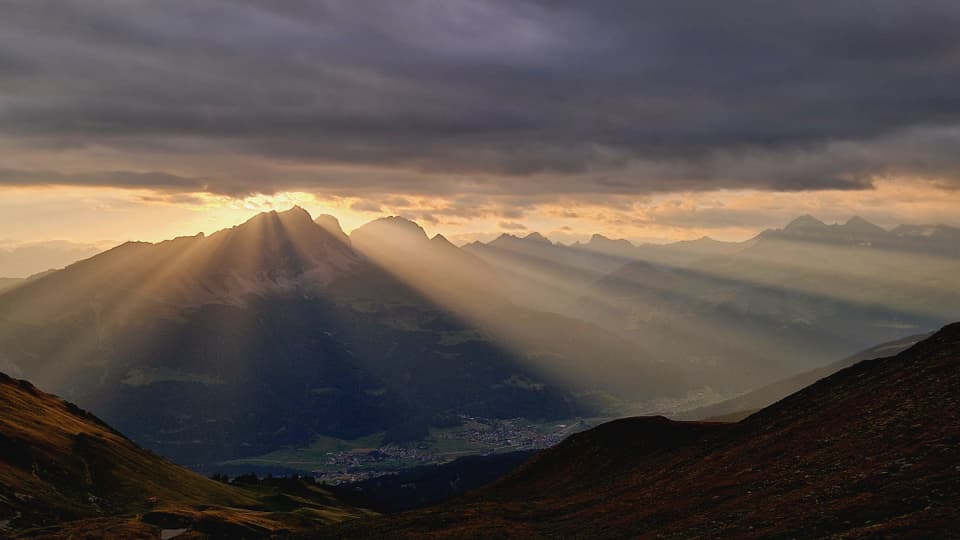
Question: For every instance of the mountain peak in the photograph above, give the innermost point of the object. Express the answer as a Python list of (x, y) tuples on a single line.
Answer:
[(441, 239), (295, 215), (537, 237), (805, 221), (395, 226), (599, 239), (296, 210), (861, 225), (331, 224)]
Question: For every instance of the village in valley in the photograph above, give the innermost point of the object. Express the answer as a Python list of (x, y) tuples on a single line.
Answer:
[(351, 461)]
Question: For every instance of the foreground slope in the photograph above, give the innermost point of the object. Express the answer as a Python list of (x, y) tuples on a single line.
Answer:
[(869, 451), (66, 472)]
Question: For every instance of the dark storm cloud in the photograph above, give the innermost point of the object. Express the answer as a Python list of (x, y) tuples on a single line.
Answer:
[(124, 179), (521, 96)]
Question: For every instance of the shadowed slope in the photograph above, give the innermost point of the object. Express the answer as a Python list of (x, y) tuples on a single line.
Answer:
[(869, 451)]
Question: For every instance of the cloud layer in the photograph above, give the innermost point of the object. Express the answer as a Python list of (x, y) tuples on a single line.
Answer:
[(506, 98)]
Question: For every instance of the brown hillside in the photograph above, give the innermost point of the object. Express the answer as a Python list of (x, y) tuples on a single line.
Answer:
[(64, 473)]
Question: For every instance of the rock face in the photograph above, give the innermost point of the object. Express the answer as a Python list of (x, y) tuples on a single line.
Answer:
[(870, 451)]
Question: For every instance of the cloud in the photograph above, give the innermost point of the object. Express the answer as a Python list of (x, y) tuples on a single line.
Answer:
[(495, 97), (126, 179), (512, 226), (366, 206)]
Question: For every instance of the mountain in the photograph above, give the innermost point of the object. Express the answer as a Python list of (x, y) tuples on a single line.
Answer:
[(22, 260), (542, 275), (279, 330), (65, 473), (870, 451), (742, 406), (931, 239), (434, 267), (548, 276), (272, 251), (679, 253), (332, 225), (565, 350), (856, 230), (781, 302), (199, 346), (602, 244)]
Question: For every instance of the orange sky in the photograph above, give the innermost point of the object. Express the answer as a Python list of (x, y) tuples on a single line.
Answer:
[(93, 215)]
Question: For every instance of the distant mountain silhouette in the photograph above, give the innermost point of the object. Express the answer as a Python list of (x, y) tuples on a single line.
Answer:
[(869, 451), (782, 301), (675, 253), (540, 274), (933, 239), (23, 260)]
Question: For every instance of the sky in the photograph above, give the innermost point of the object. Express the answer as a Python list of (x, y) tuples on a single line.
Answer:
[(649, 120)]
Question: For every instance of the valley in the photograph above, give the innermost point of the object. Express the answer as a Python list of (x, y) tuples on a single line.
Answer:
[(336, 461)]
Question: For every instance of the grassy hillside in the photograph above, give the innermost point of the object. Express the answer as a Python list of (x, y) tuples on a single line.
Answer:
[(64, 472)]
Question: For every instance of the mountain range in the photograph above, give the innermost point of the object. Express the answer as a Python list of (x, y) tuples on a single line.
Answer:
[(741, 315), (269, 334), (265, 335)]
